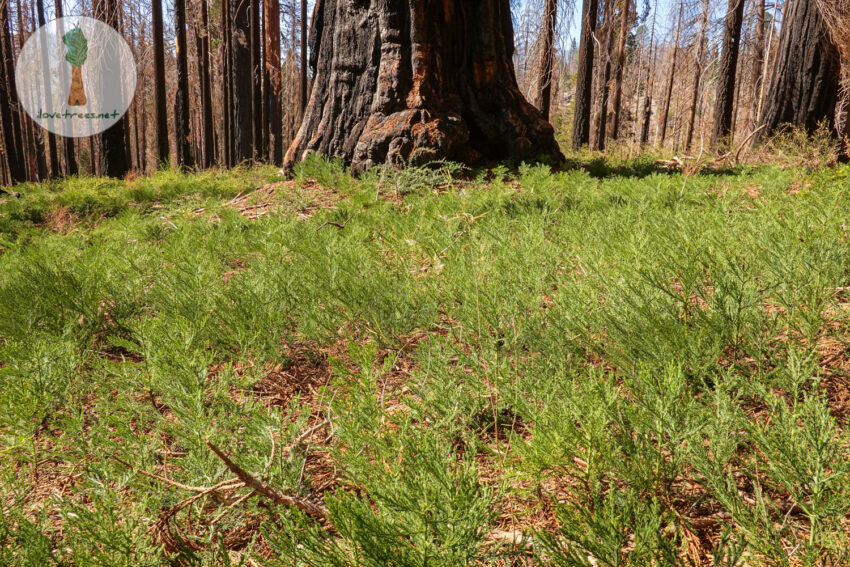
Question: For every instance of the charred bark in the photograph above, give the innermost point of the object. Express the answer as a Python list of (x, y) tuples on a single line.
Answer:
[(256, 80), (303, 75), (202, 44), (272, 80), (727, 74), (668, 95), (543, 93), (584, 78), (417, 80), (114, 139), (161, 121), (9, 103), (242, 77), (804, 90), (181, 102), (617, 103), (53, 153)]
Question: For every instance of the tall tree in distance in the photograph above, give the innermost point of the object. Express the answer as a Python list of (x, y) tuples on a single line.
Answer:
[(303, 81), (202, 46), (114, 139), (70, 158), (396, 100), (698, 68), (243, 77), (181, 99), (9, 101), (671, 77), (272, 79), (51, 137), (806, 77), (161, 121), (759, 55), (617, 103), (227, 84), (602, 119), (543, 92), (256, 79), (584, 76), (727, 73)]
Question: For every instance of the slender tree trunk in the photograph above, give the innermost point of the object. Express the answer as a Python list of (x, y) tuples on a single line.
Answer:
[(33, 133), (618, 77), (668, 97), (70, 159), (584, 76), (51, 137), (602, 123), (698, 67), (161, 122), (303, 81), (114, 140), (243, 78), (647, 100), (727, 74), (272, 79), (417, 80), (202, 44), (759, 56), (256, 79), (227, 84), (181, 102), (9, 101), (806, 77), (543, 93)]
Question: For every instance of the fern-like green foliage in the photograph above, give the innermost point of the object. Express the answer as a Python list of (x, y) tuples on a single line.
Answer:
[(78, 47)]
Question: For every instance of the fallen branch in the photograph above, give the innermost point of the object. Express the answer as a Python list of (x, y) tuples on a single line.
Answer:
[(264, 489)]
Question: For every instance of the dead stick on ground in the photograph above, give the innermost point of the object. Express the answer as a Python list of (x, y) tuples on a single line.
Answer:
[(263, 489)]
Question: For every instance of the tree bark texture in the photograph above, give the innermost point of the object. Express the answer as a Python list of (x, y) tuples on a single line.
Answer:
[(416, 80), (243, 131), (161, 122), (698, 68), (618, 76), (804, 89), (70, 159), (724, 103), (668, 95), (115, 151), (543, 93), (584, 76), (202, 44), (9, 102), (181, 102), (272, 79)]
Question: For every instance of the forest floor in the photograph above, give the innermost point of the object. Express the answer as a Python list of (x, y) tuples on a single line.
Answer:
[(608, 365)]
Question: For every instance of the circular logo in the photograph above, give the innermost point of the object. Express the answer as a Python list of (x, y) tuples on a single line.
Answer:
[(76, 76)]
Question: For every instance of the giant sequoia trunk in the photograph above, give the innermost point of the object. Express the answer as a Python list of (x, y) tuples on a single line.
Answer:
[(805, 85), (415, 80)]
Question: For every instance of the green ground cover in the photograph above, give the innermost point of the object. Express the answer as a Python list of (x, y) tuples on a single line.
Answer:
[(608, 365)]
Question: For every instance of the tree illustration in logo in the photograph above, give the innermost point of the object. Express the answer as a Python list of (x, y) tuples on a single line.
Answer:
[(78, 48)]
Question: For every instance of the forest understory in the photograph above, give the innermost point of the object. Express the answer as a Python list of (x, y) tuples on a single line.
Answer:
[(623, 361)]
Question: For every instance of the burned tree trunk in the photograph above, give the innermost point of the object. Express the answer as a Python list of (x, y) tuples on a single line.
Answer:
[(181, 102), (725, 100), (618, 76), (543, 93), (417, 80), (115, 152), (805, 86), (584, 77), (9, 102), (162, 151), (668, 96), (272, 79)]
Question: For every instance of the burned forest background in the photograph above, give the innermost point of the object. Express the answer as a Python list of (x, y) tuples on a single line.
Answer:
[(226, 82)]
